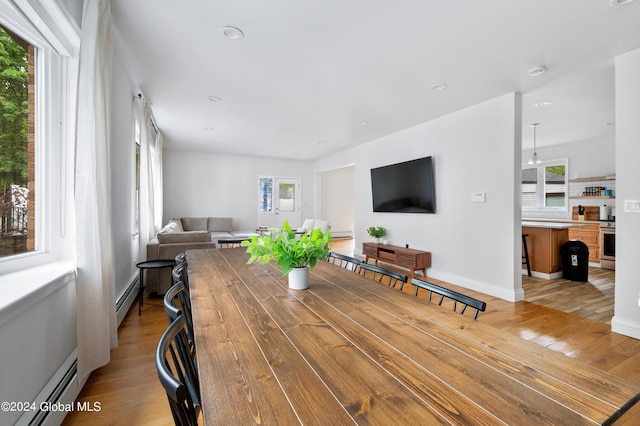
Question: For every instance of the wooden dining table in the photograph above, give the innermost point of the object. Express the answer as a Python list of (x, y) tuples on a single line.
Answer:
[(350, 350)]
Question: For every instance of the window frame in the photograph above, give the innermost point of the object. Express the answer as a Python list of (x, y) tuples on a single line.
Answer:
[(541, 190), (55, 74)]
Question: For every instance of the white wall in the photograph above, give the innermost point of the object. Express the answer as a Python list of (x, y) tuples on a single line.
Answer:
[(206, 184), (626, 318), (337, 200), (478, 149)]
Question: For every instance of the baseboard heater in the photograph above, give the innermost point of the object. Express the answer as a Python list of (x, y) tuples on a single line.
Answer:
[(126, 299), (63, 388)]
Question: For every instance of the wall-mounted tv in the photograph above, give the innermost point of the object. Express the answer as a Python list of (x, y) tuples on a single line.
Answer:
[(404, 187)]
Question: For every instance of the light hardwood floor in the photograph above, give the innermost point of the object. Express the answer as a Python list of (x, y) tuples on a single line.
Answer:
[(129, 392)]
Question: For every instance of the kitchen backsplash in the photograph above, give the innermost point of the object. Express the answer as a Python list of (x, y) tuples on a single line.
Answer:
[(576, 190)]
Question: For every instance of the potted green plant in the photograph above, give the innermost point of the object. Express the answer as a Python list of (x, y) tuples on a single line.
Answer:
[(376, 232), (295, 254)]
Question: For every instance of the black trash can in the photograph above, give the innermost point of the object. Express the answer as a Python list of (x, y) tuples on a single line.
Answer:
[(575, 261)]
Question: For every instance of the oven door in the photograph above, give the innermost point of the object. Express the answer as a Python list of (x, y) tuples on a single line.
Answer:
[(607, 248)]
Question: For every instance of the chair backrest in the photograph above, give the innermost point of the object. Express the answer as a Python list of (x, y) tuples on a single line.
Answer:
[(176, 303), (344, 261), (181, 257), (465, 300), (382, 274), (177, 373), (180, 274)]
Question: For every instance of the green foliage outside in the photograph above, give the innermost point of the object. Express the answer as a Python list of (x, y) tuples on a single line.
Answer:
[(558, 170), (14, 108)]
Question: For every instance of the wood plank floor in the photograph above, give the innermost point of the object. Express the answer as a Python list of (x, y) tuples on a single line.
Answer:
[(129, 392)]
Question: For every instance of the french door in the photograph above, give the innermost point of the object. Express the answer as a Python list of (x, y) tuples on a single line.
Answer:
[(279, 201)]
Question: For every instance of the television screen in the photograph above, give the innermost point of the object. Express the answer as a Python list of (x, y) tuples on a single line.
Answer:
[(404, 187)]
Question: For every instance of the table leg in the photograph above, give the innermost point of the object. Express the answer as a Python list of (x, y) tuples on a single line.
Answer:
[(140, 290)]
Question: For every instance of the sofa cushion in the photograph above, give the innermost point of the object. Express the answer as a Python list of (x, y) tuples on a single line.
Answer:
[(220, 224), (194, 223), (184, 237)]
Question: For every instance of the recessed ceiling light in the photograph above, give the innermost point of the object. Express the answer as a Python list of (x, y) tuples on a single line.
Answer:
[(614, 3), (214, 98), (543, 104), (321, 142), (439, 87), (363, 122), (208, 129), (232, 33), (537, 70)]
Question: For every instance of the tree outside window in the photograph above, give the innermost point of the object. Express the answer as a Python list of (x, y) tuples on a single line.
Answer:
[(17, 138)]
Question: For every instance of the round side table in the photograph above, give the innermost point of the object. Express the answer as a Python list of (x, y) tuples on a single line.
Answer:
[(150, 264)]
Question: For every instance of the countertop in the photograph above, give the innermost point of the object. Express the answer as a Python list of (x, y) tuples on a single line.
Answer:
[(553, 225)]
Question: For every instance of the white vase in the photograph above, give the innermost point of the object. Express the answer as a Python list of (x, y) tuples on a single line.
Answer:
[(299, 278)]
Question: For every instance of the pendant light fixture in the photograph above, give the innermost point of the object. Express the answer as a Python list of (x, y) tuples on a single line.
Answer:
[(534, 158)]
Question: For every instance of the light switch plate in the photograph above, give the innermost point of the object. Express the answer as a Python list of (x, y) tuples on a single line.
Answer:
[(632, 206), (478, 197)]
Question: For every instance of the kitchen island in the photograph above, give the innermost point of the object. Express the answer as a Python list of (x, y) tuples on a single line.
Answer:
[(544, 241)]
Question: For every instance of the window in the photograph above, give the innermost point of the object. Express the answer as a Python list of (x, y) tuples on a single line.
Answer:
[(40, 44), (265, 203), (544, 185), (17, 137)]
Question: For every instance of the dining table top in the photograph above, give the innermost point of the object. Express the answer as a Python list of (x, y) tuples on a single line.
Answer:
[(349, 350)]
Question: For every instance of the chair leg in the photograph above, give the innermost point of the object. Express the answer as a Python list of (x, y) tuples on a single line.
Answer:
[(525, 257)]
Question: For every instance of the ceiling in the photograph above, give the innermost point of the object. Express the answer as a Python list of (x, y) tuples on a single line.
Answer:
[(308, 75)]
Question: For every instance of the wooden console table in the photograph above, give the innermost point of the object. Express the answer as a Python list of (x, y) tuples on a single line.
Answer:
[(414, 260)]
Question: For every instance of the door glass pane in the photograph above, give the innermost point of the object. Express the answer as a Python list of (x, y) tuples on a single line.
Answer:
[(266, 195), (287, 197)]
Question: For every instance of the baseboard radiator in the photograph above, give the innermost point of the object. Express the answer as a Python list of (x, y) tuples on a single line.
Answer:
[(55, 398), (60, 393)]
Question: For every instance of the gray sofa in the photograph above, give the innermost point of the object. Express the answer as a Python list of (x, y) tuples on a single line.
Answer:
[(187, 233)]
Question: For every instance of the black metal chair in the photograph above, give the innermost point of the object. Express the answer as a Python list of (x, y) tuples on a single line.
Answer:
[(344, 261), (379, 274), (181, 257), (180, 274), (178, 374), (465, 300), (176, 303)]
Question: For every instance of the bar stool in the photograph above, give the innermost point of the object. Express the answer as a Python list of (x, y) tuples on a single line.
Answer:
[(525, 255)]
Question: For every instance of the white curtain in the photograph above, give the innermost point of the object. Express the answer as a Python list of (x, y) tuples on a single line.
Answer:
[(95, 285), (150, 174)]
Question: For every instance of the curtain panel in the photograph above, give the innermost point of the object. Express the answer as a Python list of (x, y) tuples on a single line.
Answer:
[(95, 284)]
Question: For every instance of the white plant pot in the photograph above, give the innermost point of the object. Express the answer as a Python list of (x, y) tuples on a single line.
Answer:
[(299, 278)]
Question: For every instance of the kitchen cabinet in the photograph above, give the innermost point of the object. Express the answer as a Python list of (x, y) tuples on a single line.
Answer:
[(543, 243), (590, 235)]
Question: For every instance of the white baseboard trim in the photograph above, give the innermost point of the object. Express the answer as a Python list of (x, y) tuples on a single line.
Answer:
[(626, 327)]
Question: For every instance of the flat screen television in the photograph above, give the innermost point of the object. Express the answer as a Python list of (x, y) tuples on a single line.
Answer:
[(405, 187)]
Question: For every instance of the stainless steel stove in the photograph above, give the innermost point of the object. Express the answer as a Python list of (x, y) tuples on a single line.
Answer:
[(608, 245)]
